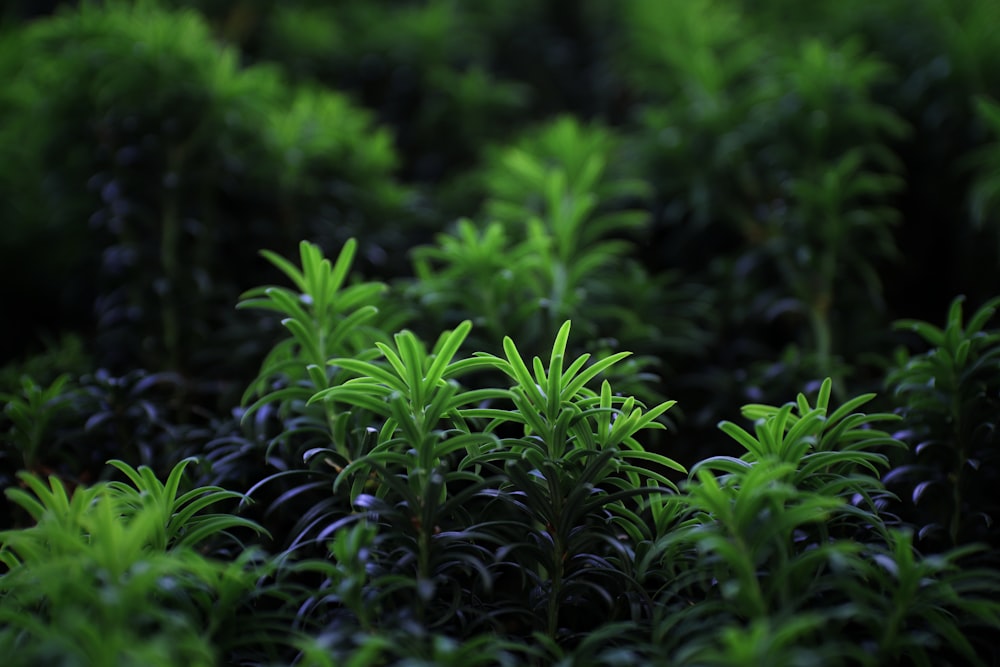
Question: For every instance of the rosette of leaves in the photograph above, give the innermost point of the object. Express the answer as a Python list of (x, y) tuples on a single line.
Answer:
[(766, 538), (819, 187), (415, 476), (557, 210), (185, 163), (834, 208), (947, 396), (702, 56), (505, 274)]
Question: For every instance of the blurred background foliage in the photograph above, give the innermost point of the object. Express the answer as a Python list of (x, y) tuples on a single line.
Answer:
[(782, 181), (759, 187)]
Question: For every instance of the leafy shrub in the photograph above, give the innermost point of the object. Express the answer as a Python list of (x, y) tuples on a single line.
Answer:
[(985, 195), (70, 427), (534, 511), (526, 519), (559, 212), (111, 574), (30, 414), (947, 396), (421, 67), (716, 185), (416, 451), (944, 55), (325, 318), (774, 171), (181, 184), (787, 554)]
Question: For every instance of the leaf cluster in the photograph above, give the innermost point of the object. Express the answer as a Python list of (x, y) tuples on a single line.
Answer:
[(947, 396), (115, 573)]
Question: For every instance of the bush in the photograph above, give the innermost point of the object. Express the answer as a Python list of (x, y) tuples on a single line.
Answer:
[(522, 263), (179, 186)]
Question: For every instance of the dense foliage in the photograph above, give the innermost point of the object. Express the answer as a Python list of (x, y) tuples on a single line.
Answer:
[(500, 332)]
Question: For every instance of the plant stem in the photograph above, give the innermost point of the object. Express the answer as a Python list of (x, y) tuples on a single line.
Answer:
[(556, 577), (169, 241)]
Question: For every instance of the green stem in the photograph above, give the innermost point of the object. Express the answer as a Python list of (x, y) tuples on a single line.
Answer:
[(956, 486), (822, 337), (956, 501), (169, 242), (423, 568), (555, 577)]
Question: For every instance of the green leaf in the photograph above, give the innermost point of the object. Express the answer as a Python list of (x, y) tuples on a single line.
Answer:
[(517, 370), (445, 351), (750, 443)]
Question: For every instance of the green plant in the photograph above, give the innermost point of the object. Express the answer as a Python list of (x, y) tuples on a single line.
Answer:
[(944, 56), (30, 415), (700, 55), (180, 514), (487, 262), (809, 470), (575, 478), (419, 489), (181, 185), (560, 211), (109, 574), (774, 165), (947, 398), (837, 451), (825, 183), (451, 475), (325, 318), (787, 553), (429, 463), (422, 68), (985, 195), (554, 203), (716, 185), (838, 192), (65, 354), (926, 609)]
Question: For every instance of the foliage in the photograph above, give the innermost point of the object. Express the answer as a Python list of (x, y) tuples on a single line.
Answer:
[(773, 158), (792, 558), (555, 244), (421, 67), (947, 395), (66, 354), (546, 237), (788, 151), (394, 451), (560, 462), (178, 184), (30, 414), (985, 196), (110, 574)]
